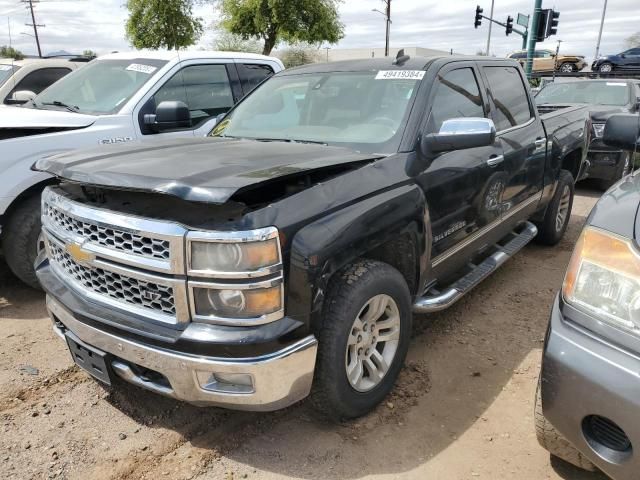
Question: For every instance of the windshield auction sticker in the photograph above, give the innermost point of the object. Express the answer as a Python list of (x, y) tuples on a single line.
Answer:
[(400, 75), (614, 84), (138, 67)]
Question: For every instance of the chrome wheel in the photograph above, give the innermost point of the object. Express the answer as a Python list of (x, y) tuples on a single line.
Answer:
[(605, 68), (563, 208), (372, 343)]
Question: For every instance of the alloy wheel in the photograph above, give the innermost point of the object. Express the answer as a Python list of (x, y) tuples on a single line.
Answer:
[(372, 343), (563, 208)]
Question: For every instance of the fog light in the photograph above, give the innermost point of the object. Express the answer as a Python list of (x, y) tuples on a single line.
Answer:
[(225, 382)]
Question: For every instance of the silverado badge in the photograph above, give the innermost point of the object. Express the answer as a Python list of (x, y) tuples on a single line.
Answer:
[(78, 253)]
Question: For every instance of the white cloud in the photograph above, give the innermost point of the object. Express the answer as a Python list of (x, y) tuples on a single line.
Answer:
[(76, 25)]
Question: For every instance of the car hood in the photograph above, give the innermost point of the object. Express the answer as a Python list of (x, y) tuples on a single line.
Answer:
[(203, 170), (600, 113), (617, 209), (33, 118)]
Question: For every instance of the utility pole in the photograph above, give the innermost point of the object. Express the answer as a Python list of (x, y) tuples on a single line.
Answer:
[(490, 24), (604, 12), (532, 37), (387, 16), (34, 25)]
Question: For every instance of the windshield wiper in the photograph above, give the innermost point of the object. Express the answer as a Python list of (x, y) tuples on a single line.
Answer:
[(289, 140), (58, 103)]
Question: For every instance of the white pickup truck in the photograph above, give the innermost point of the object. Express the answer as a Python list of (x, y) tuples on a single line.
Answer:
[(118, 98)]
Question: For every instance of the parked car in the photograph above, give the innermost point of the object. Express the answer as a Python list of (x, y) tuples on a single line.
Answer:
[(117, 98), (24, 79), (546, 61), (605, 97), (287, 253), (587, 400), (627, 60)]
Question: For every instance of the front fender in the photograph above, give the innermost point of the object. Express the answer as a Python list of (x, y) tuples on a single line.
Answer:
[(325, 246)]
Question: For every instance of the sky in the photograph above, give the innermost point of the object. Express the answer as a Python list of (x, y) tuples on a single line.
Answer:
[(76, 25)]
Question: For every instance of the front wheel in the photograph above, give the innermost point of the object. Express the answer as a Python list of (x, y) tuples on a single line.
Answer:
[(605, 68), (23, 241), (363, 340), (567, 68), (556, 219)]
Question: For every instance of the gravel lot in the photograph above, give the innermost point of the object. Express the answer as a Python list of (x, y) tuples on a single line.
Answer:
[(463, 408)]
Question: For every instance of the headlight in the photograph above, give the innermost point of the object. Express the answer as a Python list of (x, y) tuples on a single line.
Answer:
[(257, 302), (247, 254), (598, 130), (603, 279)]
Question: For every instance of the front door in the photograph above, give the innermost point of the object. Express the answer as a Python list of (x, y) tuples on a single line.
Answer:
[(631, 59), (521, 137), (463, 188)]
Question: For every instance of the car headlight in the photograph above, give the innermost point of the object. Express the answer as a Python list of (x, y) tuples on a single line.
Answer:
[(256, 302), (243, 255), (598, 130), (603, 279)]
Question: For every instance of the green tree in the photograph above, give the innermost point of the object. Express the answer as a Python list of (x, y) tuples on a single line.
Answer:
[(10, 52), (89, 53), (230, 42), (633, 40), (162, 24), (299, 54), (311, 21)]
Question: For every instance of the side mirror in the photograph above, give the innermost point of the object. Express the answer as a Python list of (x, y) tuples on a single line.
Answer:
[(622, 131), (170, 115), (20, 97), (459, 134)]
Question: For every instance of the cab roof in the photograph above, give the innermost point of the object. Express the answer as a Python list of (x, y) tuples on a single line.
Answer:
[(182, 55)]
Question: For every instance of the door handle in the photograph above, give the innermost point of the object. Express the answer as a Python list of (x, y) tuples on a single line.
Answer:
[(541, 142), (493, 161)]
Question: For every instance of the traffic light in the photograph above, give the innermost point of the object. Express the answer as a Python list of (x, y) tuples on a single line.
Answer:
[(541, 30), (552, 23), (509, 24), (478, 21)]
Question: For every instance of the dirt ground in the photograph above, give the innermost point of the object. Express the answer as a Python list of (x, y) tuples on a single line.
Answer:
[(462, 409)]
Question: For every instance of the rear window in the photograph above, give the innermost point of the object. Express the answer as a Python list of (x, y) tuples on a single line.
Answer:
[(509, 97)]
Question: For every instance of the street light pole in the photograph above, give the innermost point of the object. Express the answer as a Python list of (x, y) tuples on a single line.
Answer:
[(490, 24), (604, 11), (386, 43)]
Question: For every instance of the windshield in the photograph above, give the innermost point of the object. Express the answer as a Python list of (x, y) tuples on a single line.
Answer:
[(365, 111), (599, 93), (101, 87), (6, 71)]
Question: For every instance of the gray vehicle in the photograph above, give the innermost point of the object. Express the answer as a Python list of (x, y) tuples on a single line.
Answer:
[(588, 398)]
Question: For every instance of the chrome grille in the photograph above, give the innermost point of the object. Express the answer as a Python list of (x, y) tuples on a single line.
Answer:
[(108, 236), (158, 298)]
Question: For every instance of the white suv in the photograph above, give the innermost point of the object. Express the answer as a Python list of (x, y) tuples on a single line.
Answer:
[(117, 98)]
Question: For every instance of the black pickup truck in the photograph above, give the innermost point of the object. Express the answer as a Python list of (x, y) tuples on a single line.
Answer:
[(286, 254)]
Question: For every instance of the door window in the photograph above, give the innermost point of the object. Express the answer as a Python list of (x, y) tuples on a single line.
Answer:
[(38, 80), (205, 89), (509, 97), (457, 95), (252, 75)]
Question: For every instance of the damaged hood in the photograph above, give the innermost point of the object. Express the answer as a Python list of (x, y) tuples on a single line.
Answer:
[(202, 170), (27, 118)]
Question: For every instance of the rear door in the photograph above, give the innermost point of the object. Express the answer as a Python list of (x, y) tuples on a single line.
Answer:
[(462, 187), (632, 59), (521, 136)]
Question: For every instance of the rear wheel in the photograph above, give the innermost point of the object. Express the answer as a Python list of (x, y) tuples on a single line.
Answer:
[(363, 340), (23, 241), (551, 229), (554, 442)]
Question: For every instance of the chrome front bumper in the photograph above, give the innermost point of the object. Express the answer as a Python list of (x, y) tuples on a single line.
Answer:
[(279, 379)]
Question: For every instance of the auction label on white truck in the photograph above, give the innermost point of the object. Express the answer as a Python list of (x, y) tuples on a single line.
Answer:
[(400, 74), (138, 67)]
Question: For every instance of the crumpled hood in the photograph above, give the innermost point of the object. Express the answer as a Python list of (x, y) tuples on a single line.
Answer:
[(203, 169), (23, 117)]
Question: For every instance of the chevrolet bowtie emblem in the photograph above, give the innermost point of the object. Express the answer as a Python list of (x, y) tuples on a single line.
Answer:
[(78, 254)]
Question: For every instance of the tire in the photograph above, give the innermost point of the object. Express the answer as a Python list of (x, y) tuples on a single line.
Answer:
[(350, 292), (554, 442), (567, 68), (623, 169), (21, 242), (552, 227), (606, 67)]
